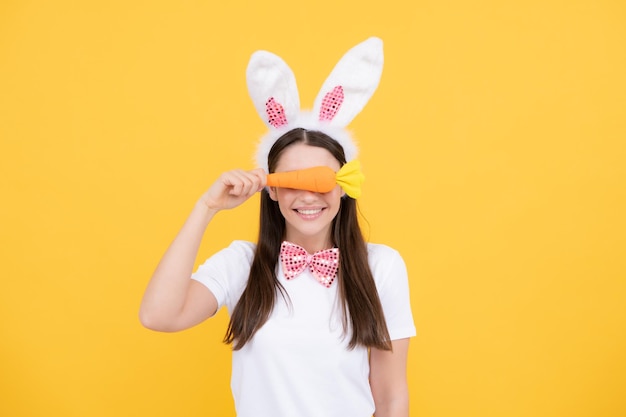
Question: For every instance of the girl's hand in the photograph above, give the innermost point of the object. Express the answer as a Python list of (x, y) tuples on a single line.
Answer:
[(233, 188)]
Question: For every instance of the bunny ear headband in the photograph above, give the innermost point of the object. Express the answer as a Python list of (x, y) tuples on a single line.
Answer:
[(272, 87)]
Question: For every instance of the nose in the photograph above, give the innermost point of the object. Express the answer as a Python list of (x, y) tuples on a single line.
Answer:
[(307, 196)]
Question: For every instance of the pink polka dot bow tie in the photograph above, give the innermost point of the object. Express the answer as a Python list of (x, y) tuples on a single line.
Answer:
[(323, 264)]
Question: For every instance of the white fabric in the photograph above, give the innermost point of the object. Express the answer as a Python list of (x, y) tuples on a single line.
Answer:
[(358, 73), (268, 76), (298, 363), (308, 121)]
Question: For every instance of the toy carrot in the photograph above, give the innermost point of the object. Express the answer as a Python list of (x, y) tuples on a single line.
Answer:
[(321, 179)]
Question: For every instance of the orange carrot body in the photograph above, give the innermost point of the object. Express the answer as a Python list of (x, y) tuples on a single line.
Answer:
[(320, 179)]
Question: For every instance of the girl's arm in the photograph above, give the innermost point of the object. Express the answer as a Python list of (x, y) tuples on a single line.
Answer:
[(173, 301), (388, 380)]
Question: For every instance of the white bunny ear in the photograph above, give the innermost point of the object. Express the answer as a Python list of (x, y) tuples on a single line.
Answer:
[(351, 83), (272, 87)]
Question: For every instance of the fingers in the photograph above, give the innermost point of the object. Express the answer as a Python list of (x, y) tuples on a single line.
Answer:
[(244, 183), (232, 188)]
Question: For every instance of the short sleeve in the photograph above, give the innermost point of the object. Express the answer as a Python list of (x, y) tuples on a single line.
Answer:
[(390, 275), (226, 273)]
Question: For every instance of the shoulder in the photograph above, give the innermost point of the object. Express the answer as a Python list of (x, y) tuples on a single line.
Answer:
[(386, 264), (392, 282), (241, 248), (236, 256), (379, 253), (226, 272)]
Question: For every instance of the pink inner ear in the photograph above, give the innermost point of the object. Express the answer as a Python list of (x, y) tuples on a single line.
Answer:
[(275, 113), (331, 103)]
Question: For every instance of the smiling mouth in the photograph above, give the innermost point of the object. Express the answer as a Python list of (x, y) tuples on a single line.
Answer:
[(309, 212)]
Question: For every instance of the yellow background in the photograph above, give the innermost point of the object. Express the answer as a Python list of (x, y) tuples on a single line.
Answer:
[(494, 151)]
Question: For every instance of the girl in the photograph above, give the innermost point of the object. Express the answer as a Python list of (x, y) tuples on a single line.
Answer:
[(323, 338)]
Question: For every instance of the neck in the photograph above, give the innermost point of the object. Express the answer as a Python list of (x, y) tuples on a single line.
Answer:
[(311, 244)]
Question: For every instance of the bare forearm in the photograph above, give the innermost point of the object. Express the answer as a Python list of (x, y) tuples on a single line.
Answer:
[(167, 291), (398, 407), (172, 300), (388, 380)]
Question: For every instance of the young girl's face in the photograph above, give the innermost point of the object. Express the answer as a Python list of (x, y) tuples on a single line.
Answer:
[(308, 215)]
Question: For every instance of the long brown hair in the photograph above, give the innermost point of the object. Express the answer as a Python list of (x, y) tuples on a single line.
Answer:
[(362, 311)]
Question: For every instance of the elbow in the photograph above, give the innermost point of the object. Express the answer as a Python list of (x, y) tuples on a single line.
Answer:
[(152, 321), (148, 321)]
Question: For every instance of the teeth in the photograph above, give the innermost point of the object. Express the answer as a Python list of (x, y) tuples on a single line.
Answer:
[(309, 212)]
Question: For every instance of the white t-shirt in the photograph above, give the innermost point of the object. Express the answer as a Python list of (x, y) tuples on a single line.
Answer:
[(298, 363)]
